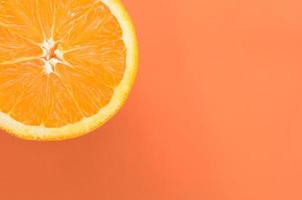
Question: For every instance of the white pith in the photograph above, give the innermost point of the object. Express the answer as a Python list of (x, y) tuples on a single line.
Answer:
[(50, 63)]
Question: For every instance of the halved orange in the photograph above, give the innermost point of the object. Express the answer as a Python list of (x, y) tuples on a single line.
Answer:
[(66, 66)]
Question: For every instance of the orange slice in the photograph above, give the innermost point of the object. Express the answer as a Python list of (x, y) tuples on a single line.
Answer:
[(66, 66)]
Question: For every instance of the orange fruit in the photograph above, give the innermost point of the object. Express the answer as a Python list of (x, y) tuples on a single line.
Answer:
[(66, 66)]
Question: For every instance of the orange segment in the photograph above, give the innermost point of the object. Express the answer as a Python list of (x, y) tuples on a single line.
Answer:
[(86, 87), (14, 47), (59, 104), (66, 66), (20, 17), (15, 80)]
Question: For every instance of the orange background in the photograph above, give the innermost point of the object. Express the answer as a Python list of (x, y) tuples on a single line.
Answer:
[(215, 113)]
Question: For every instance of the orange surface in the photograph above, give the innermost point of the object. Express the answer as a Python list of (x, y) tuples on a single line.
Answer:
[(215, 114)]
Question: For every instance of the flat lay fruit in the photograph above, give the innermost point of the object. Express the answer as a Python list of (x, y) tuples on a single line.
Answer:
[(66, 66)]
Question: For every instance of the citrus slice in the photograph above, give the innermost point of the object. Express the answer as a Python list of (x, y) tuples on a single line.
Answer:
[(66, 66)]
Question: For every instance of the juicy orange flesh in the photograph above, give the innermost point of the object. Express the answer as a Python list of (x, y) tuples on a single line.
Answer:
[(94, 54)]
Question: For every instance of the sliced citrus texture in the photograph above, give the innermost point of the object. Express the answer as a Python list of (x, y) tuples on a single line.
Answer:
[(66, 66)]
